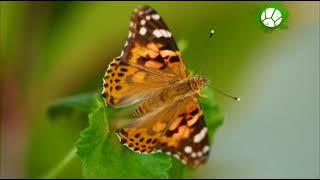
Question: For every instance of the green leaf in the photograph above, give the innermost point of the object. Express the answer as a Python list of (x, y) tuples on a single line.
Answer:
[(104, 157), (82, 103)]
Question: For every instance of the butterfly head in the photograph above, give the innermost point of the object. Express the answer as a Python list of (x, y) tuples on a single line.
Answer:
[(197, 83)]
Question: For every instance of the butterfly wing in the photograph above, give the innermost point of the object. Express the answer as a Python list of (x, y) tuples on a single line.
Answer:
[(150, 60), (178, 129), (186, 137), (150, 44), (124, 84)]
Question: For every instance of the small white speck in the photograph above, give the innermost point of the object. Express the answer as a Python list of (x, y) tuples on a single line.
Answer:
[(121, 53), (211, 33), (130, 34), (205, 149), (188, 149), (126, 44), (140, 13), (155, 16), (143, 31), (168, 153), (199, 154), (143, 22), (148, 17), (131, 24), (193, 155)]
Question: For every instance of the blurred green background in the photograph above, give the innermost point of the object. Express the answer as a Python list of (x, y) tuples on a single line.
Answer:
[(50, 50)]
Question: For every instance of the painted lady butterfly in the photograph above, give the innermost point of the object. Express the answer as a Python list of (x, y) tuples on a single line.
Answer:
[(150, 71)]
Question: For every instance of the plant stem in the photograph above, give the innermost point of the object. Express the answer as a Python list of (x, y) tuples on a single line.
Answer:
[(57, 169)]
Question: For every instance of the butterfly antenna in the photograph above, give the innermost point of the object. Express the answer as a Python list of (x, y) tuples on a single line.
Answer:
[(223, 93)]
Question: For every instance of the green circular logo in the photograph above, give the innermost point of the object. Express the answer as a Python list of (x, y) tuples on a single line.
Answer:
[(271, 17)]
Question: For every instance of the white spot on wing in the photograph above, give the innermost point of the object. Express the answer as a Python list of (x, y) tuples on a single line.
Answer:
[(143, 22), (157, 33), (161, 33), (143, 31), (188, 149), (169, 34), (148, 17), (205, 149), (193, 155), (197, 138), (155, 16)]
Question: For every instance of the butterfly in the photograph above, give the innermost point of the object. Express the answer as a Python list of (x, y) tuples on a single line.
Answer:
[(150, 72)]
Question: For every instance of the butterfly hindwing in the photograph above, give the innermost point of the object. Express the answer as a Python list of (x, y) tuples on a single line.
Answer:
[(177, 129), (186, 137), (143, 133)]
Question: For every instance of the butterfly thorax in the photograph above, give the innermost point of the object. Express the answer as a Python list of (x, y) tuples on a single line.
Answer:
[(174, 93)]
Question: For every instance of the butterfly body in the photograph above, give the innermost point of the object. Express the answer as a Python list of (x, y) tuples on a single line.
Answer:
[(150, 72), (175, 92)]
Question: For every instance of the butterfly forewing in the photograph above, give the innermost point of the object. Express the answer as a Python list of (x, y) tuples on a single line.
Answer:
[(124, 85), (147, 62), (150, 44)]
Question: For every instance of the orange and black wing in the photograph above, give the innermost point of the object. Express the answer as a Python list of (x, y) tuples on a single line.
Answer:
[(150, 60), (178, 130)]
